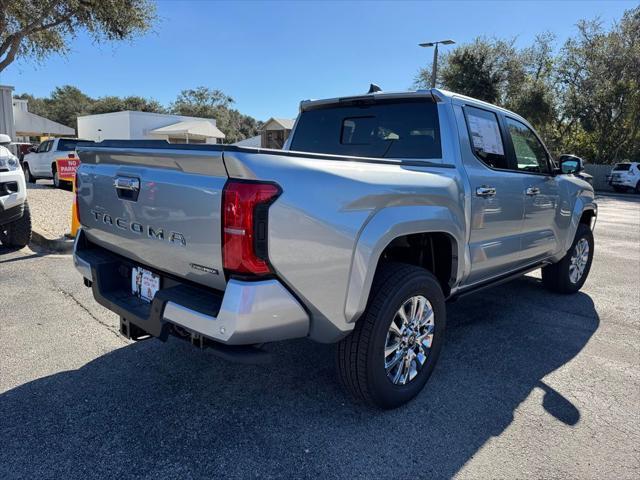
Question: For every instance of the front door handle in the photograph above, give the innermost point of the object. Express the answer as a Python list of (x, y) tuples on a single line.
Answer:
[(485, 191), (531, 191)]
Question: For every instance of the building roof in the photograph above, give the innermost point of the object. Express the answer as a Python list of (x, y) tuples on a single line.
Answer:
[(250, 142), (284, 123), (203, 128), (27, 123)]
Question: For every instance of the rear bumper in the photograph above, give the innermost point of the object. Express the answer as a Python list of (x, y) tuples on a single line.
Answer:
[(621, 182), (246, 313)]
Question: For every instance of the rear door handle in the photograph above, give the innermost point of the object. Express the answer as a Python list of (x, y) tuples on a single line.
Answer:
[(485, 191), (531, 191)]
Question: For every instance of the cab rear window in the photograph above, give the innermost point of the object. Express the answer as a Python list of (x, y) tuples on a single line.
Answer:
[(384, 129)]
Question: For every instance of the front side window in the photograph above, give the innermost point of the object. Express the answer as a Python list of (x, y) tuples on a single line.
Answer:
[(43, 147), (382, 129), (486, 140), (530, 153)]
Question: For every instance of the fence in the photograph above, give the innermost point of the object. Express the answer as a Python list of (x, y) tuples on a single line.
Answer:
[(599, 173)]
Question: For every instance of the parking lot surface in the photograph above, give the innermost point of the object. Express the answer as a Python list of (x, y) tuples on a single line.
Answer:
[(529, 385), (50, 208)]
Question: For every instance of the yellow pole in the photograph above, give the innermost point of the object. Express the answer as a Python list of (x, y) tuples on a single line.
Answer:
[(75, 222)]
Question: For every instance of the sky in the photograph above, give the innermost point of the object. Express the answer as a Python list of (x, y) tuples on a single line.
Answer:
[(270, 55)]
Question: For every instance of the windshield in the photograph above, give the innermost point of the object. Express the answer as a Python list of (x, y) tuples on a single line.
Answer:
[(69, 144), (384, 129), (622, 167)]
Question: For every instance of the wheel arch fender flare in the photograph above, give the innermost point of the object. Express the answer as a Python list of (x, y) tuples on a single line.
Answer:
[(385, 226), (583, 204)]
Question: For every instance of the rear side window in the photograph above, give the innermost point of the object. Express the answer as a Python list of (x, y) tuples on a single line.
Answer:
[(385, 129), (622, 167), (65, 145), (486, 139)]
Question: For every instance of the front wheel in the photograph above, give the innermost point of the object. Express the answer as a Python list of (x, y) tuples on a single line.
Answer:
[(28, 176), (390, 354), (570, 273), (619, 189), (17, 234)]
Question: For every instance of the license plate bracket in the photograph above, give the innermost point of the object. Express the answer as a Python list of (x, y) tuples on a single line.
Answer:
[(144, 284)]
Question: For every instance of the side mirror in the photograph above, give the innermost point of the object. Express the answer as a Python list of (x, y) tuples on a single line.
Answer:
[(4, 139), (571, 164)]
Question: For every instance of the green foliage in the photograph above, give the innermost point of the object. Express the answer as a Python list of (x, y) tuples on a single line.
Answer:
[(117, 104), (66, 103), (210, 103), (584, 99), (37, 29)]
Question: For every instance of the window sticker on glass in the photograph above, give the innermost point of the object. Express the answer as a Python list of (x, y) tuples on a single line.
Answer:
[(485, 134)]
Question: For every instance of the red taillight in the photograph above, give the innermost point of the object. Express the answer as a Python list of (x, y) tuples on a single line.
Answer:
[(244, 226)]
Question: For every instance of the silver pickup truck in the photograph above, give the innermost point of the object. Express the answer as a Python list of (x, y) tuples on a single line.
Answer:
[(379, 209)]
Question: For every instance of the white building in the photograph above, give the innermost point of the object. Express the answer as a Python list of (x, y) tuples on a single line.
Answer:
[(128, 125), (20, 124)]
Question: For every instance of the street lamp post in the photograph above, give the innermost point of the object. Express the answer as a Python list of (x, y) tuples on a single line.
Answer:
[(434, 67)]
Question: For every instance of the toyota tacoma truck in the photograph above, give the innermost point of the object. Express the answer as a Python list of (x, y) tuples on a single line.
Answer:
[(379, 209), (15, 218)]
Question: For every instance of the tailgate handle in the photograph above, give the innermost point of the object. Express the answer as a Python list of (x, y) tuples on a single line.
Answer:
[(127, 183)]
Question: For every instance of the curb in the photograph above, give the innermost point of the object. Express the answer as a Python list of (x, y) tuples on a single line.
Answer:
[(60, 245)]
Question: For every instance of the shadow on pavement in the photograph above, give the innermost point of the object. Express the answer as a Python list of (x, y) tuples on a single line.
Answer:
[(168, 410)]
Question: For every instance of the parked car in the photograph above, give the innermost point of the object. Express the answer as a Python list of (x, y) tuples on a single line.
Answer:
[(15, 218), (566, 159), (625, 176), (21, 149), (379, 209), (41, 163)]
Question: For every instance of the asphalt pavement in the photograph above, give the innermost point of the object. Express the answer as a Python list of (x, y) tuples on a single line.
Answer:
[(529, 385)]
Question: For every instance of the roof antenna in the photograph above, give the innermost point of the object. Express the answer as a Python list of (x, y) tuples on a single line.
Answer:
[(373, 88)]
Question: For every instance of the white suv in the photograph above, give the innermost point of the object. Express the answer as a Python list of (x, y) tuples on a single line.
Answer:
[(15, 219), (625, 176), (41, 163)]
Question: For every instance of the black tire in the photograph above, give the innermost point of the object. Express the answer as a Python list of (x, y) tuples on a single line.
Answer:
[(28, 176), (638, 187), (619, 189), (360, 356), (17, 234), (56, 179), (556, 277)]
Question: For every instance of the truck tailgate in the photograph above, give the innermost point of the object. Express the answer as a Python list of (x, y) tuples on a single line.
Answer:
[(159, 207)]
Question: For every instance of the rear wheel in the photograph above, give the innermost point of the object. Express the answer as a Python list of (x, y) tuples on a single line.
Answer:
[(17, 234), (392, 351), (570, 273)]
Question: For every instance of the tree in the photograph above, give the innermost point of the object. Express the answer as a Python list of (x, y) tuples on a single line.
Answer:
[(66, 104), (200, 102), (117, 104), (483, 69), (210, 103), (36, 29), (599, 77)]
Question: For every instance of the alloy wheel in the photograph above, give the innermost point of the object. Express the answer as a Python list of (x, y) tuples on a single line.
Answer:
[(579, 260), (409, 340)]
